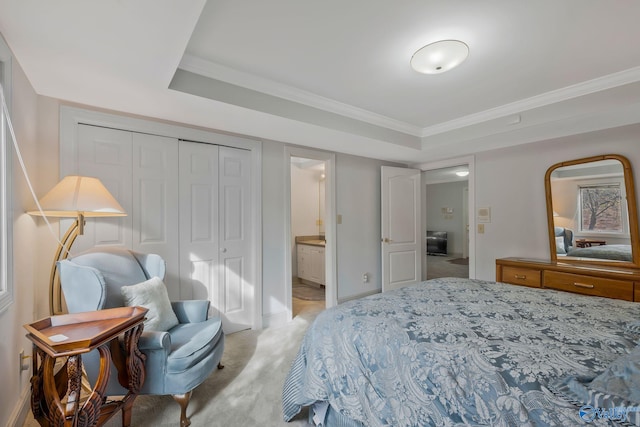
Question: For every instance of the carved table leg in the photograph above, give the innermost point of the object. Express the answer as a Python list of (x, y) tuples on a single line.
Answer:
[(37, 398), (90, 411), (131, 372), (56, 413)]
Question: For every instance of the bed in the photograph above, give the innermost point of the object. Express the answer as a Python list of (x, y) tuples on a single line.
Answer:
[(452, 352), (610, 252)]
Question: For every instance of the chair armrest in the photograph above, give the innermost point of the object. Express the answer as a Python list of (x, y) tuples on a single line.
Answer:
[(154, 340), (191, 311)]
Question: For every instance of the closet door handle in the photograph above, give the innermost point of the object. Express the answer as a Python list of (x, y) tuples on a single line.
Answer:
[(583, 285), (223, 250)]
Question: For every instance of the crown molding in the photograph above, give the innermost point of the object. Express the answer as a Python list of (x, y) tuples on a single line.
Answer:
[(251, 81), (232, 76), (609, 81)]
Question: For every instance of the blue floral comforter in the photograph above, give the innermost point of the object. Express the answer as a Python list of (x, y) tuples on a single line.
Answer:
[(457, 352)]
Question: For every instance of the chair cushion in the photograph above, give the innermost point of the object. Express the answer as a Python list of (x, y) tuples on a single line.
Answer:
[(152, 294), (190, 342)]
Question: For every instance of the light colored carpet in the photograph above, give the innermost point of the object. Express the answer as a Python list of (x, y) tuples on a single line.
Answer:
[(247, 392)]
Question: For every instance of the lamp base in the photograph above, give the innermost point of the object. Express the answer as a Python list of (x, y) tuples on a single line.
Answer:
[(64, 247)]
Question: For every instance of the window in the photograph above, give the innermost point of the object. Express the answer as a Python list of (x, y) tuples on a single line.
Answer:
[(601, 208), (6, 283)]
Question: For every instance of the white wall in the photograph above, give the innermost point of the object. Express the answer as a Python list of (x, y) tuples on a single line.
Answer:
[(511, 182), (358, 201), (447, 195), (273, 230), (30, 242)]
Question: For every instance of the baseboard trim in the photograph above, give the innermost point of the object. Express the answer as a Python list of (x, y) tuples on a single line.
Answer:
[(358, 296), (20, 411), (275, 320)]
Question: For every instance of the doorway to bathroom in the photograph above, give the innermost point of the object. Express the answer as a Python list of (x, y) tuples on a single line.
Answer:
[(311, 245)]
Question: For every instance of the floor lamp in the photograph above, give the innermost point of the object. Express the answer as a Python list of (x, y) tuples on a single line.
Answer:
[(76, 197)]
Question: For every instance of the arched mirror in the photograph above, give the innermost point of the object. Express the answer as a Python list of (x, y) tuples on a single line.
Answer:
[(591, 211)]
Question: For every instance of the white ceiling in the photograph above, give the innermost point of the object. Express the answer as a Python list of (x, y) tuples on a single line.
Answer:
[(336, 74)]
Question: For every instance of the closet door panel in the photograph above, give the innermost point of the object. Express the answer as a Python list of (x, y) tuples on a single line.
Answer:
[(155, 203), (234, 290), (107, 155), (199, 222), (236, 275)]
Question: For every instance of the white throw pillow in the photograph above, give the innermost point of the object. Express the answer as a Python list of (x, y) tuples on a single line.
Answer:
[(153, 295), (560, 245)]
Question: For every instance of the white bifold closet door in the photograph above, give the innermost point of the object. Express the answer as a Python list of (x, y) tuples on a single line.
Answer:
[(215, 255), (188, 202)]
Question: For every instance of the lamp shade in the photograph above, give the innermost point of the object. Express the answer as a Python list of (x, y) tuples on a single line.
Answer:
[(79, 194)]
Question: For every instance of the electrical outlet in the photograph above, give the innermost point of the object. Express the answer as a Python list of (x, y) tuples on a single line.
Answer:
[(23, 366), (365, 278)]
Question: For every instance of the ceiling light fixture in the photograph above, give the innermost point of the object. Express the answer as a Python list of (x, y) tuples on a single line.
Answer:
[(438, 57), (462, 173)]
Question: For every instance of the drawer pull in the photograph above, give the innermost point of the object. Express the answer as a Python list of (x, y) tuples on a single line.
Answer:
[(519, 276), (583, 285)]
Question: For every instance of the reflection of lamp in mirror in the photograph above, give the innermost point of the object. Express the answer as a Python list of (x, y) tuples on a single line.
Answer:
[(77, 197)]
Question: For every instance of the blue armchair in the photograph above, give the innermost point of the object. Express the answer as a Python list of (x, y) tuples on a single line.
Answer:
[(564, 240), (177, 360)]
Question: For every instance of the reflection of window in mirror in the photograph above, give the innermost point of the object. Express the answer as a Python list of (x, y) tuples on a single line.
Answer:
[(600, 208)]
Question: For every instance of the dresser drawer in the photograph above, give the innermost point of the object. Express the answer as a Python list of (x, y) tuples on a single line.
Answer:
[(521, 276), (589, 285)]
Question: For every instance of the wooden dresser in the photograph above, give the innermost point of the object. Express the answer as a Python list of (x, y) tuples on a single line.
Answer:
[(588, 279)]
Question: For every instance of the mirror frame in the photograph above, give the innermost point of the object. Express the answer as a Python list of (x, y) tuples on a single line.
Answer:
[(631, 208)]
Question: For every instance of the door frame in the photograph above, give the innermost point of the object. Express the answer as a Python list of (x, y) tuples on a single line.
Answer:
[(71, 117), (469, 161), (331, 288)]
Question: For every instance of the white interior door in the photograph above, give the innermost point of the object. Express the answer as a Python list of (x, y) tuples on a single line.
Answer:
[(215, 231), (191, 203), (400, 194), (155, 203), (198, 221), (105, 154), (236, 292)]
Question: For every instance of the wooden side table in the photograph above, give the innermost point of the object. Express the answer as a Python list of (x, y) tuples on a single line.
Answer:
[(56, 396)]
